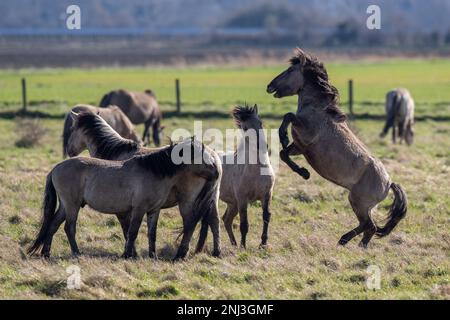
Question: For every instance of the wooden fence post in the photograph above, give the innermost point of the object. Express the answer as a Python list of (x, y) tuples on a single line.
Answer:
[(350, 96), (177, 93), (24, 96)]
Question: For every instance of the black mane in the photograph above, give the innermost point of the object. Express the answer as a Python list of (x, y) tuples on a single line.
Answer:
[(242, 114), (315, 74), (160, 162), (109, 145)]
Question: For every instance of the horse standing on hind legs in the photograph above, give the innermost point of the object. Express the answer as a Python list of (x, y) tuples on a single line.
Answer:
[(399, 115), (322, 136), (131, 188), (140, 107)]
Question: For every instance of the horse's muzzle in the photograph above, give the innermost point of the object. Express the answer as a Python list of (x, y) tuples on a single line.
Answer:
[(270, 89)]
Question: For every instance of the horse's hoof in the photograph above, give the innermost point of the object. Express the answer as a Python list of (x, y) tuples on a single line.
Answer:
[(304, 173), (264, 246), (342, 242), (153, 255), (216, 253), (363, 245)]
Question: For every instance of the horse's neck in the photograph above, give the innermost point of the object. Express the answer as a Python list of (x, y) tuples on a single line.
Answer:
[(251, 149), (114, 139)]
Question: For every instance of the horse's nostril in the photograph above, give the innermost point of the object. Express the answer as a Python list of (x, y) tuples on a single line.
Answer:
[(269, 89)]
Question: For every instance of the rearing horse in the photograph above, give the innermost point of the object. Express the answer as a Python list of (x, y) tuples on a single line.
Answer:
[(321, 134)]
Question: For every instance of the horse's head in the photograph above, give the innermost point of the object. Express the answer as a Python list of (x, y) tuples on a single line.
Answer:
[(76, 142), (247, 117), (292, 80)]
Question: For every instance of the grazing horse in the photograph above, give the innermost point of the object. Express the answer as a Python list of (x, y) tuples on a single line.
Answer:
[(399, 113), (112, 115), (131, 188), (246, 181), (89, 131), (322, 135), (140, 107)]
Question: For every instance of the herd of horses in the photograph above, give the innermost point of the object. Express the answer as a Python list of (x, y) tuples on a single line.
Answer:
[(123, 176)]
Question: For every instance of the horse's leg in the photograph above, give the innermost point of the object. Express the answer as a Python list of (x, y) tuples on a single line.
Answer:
[(152, 225), (227, 219), (136, 219), (282, 131), (146, 133), (401, 130), (214, 223), (243, 223), (361, 217), (292, 150), (266, 218), (70, 228), (370, 228), (59, 218), (394, 133), (188, 230), (124, 220)]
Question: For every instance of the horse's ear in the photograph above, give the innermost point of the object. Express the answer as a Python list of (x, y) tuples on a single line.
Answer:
[(256, 108), (74, 117), (301, 55), (98, 112)]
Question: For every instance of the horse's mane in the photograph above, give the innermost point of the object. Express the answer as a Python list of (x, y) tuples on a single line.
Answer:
[(110, 145), (242, 114), (315, 73), (160, 162)]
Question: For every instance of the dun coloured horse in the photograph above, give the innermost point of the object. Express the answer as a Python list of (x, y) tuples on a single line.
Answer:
[(140, 107), (247, 181), (111, 114), (130, 188), (399, 114), (92, 132), (322, 135)]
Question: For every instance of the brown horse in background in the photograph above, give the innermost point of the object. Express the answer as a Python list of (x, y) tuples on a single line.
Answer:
[(399, 115), (112, 115), (140, 107), (322, 135)]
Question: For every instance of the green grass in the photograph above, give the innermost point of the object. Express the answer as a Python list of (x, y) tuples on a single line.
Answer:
[(220, 87), (303, 260)]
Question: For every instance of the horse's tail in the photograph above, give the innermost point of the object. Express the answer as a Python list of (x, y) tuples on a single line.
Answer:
[(106, 100), (397, 211), (207, 207), (391, 108), (48, 208), (66, 134)]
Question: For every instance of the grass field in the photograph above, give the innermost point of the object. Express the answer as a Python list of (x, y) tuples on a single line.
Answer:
[(303, 260)]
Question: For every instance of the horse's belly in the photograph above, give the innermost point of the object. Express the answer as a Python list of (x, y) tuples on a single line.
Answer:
[(108, 196), (343, 172)]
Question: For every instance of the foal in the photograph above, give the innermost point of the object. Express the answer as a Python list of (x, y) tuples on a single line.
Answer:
[(142, 184), (247, 175)]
